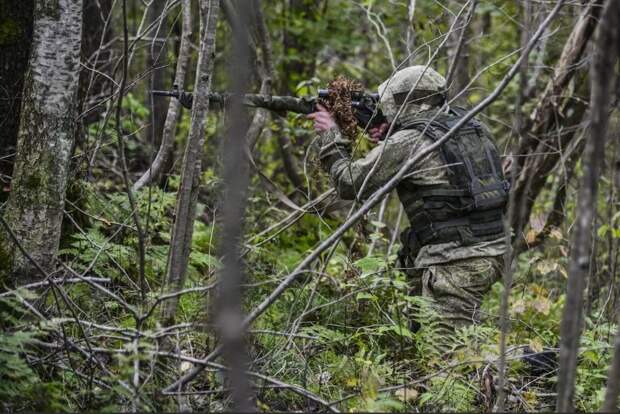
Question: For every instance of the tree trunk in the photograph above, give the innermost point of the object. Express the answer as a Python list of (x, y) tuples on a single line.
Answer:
[(46, 135), (166, 148), (156, 63), (235, 180), (95, 56), (602, 78), (16, 18), (610, 404), (187, 195), (458, 52)]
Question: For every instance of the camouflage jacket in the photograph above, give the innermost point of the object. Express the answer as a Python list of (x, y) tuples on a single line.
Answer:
[(348, 175)]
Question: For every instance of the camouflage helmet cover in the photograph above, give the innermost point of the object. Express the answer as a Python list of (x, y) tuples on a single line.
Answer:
[(422, 79)]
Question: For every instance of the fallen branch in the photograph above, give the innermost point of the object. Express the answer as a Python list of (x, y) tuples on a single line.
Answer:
[(57, 281)]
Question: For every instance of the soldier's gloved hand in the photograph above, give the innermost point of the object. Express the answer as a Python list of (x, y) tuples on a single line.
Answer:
[(323, 120), (378, 133)]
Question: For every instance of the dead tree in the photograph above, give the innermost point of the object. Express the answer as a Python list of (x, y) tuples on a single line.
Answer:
[(46, 136), (187, 196), (602, 80)]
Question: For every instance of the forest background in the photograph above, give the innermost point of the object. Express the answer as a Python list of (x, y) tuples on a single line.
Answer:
[(124, 214)]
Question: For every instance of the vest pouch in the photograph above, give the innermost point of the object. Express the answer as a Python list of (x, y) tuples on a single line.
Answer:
[(488, 193), (444, 210)]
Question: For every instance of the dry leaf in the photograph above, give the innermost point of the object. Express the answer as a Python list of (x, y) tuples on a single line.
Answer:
[(185, 365), (556, 233), (531, 236), (535, 345), (519, 306), (542, 305), (546, 267), (406, 394)]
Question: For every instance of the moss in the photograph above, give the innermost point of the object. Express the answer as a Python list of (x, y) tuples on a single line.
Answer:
[(6, 260), (33, 181), (10, 32)]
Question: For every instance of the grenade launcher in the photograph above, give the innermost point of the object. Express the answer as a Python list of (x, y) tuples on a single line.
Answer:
[(364, 105)]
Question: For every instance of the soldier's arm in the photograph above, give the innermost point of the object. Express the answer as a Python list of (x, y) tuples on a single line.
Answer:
[(347, 175)]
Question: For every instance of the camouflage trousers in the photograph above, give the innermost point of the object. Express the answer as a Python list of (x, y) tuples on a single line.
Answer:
[(456, 289)]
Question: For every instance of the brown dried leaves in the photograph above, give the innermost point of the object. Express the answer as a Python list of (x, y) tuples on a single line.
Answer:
[(338, 104)]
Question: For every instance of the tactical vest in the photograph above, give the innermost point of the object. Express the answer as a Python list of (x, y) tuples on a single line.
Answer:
[(470, 208)]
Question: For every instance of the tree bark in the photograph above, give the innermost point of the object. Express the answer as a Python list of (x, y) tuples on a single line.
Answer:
[(458, 52), (156, 62), (602, 78), (187, 195), (174, 108), (96, 57), (235, 180), (610, 404), (15, 39), (46, 136)]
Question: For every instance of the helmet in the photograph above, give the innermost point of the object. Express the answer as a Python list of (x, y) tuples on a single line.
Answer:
[(420, 86)]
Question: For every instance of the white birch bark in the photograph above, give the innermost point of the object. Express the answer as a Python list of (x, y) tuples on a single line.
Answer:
[(46, 135)]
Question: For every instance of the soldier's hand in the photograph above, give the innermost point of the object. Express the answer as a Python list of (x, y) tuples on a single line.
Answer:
[(323, 120), (378, 133)]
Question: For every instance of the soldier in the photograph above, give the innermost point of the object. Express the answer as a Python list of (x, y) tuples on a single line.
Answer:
[(454, 197)]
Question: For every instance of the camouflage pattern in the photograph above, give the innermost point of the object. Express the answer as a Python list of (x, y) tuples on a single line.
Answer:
[(406, 80), (347, 177), (456, 289), (453, 276)]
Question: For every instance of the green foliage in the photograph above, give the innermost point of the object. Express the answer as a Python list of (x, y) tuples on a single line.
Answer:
[(346, 329), (21, 387)]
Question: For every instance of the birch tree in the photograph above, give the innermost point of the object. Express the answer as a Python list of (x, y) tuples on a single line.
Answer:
[(45, 138)]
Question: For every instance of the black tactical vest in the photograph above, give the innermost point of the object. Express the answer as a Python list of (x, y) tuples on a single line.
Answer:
[(470, 208)]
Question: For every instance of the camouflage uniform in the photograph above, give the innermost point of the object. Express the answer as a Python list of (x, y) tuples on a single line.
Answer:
[(453, 276)]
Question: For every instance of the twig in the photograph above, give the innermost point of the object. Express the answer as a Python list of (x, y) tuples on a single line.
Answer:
[(120, 140), (56, 281)]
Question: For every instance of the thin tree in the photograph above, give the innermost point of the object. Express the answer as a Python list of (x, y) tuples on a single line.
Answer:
[(602, 78), (167, 142), (46, 135), (236, 178), (187, 196), (157, 65), (613, 379)]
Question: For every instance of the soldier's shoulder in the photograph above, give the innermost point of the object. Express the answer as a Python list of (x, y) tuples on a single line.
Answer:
[(410, 135)]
